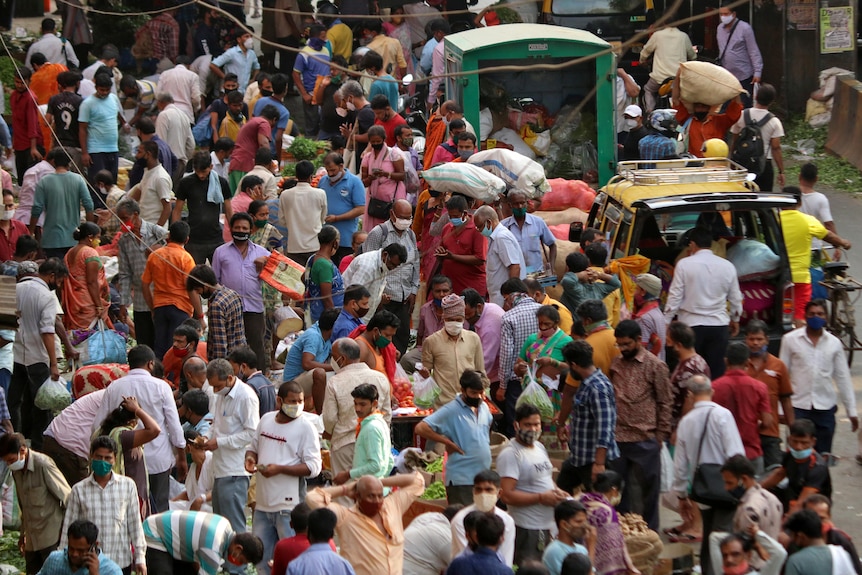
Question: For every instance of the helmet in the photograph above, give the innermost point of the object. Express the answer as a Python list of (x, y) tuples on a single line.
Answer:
[(715, 148), (663, 121)]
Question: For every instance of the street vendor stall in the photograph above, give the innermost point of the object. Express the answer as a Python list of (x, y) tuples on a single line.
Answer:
[(564, 118)]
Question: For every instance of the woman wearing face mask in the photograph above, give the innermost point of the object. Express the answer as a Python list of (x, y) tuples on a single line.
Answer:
[(611, 556), (86, 295), (199, 481), (120, 426), (325, 285), (383, 177), (544, 351)]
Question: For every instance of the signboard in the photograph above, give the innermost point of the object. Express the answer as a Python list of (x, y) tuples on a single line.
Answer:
[(802, 14), (836, 30)]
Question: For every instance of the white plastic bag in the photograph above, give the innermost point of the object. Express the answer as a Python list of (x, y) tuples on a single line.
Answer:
[(517, 170), (666, 469), (53, 395), (753, 259), (425, 391), (467, 179), (537, 396)]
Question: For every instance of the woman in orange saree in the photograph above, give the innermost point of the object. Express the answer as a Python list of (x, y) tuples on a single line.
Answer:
[(86, 295)]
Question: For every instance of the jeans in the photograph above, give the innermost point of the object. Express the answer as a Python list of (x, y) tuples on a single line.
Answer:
[(255, 328), (101, 161), (73, 467), (711, 343), (270, 526), (402, 335), (746, 96), (34, 560), (166, 319), (311, 118), (26, 418), (160, 490), (772, 453), (5, 378), (824, 422), (644, 456), (230, 495), (145, 331)]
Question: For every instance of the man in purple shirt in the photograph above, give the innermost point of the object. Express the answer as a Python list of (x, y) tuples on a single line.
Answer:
[(237, 265), (738, 51)]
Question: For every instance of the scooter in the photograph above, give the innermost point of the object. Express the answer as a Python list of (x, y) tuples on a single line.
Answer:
[(412, 108)]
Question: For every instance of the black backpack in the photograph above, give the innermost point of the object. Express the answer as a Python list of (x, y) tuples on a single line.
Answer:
[(749, 151)]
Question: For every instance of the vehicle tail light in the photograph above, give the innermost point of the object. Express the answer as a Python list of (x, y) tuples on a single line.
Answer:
[(787, 307)]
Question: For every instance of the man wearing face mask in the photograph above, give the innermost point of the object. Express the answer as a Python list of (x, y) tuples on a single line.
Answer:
[(10, 229), (767, 368), (447, 151), (244, 362), (573, 528), (186, 344), (345, 201), (757, 506), (706, 435), (373, 269), (738, 51), (462, 249), (703, 122), (430, 320), (450, 352), (354, 309), (338, 413), (371, 532), (404, 141), (463, 426), (284, 450), (402, 282), (634, 125), (486, 492), (532, 234), (385, 116), (240, 60), (39, 485), (504, 258), (373, 447)]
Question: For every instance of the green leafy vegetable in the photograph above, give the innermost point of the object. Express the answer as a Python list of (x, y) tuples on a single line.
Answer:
[(435, 491)]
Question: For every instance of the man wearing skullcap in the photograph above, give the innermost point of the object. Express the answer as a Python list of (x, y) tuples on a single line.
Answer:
[(648, 314), (448, 353)]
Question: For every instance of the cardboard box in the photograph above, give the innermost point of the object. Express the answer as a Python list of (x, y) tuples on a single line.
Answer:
[(8, 305)]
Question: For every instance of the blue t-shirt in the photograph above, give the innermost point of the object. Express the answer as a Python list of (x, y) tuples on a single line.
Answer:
[(470, 431), (311, 63), (311, 341), (344, 325), (100, 115), (341, 197), (240, 63), (283, 116), (387, 86), (556, 552)]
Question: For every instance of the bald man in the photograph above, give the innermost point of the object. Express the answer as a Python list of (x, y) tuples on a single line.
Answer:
[(505, 259), (339, 417), (374, 547), (195, 373)]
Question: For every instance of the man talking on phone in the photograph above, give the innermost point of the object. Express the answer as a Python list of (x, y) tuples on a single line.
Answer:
[(81, 553)]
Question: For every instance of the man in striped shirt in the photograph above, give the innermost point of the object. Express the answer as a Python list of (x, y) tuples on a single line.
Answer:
[(176, 540)]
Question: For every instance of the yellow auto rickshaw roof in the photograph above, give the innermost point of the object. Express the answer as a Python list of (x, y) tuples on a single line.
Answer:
[(627, 193)]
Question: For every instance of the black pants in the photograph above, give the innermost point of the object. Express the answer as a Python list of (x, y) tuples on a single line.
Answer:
[(160, 490), (203, 251), (145, 331), (166, 319), (23, 162), (640, 462), (56, 252), (287, 58), (710, 341), (766, 180), (746, 96), (513, 392), (26, 418), (571, 476), (73, 467), (772, 453), (713, 520), (35, 559), (402, 336), (255, 327), (164, 564), (459, 494)]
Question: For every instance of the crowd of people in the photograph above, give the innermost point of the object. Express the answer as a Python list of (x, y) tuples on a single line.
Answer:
[(217, 425)]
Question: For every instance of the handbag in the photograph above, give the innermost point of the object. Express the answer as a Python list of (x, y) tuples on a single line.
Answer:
[(379, 209), (726, 46), (707, 485), (103, 346)]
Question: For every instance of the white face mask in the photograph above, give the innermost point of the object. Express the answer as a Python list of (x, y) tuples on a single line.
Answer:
[(351, 106), (402, 224), (8, 214), (335, 367), (726, 19), (631, 123), (249, 44), (453, 328), (485, 502), (615, 500), (341, 111), (18, 465), (292, 410)]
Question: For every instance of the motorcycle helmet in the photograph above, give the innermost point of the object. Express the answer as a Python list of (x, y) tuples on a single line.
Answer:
[(663, 122)]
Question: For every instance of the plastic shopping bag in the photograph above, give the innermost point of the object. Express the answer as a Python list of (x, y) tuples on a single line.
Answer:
[(53, 395), (666, 469), (425, 391), (103, 346), (537, 396)]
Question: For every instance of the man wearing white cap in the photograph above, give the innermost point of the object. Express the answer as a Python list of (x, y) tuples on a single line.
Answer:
[(634, 125), (648, 314)]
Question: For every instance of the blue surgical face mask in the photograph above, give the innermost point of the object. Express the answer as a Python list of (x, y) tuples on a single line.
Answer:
[(801, 454), (100, 468), (816, 323), (456, 221), (760, 352), (487, 231), (438, 302)]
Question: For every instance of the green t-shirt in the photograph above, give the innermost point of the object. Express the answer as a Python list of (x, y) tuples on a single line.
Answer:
[(60, 196), (814, 559), (321, 271)]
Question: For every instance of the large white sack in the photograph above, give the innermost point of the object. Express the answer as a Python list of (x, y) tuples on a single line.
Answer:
[(516, 170), (467, 179), (705, 83), (514, 139)]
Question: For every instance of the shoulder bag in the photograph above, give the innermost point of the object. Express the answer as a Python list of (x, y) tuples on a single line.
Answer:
[(707, 485)]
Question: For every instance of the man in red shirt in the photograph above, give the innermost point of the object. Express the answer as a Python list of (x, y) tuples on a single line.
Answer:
[(702, 124), (255, 134), (26, 134), (385, 116), (462, 250), (290, 548), (747, 399), (10, 228)]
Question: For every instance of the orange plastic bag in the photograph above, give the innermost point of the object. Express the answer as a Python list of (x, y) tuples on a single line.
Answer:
[(284, 274)]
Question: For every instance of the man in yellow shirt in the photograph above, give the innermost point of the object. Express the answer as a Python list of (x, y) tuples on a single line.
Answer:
[(798, 229), (339, 34), (389, 48), (536, 291)]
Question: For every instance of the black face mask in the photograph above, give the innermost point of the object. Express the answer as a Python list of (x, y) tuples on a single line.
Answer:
[(377, 147), (240, 236), (471, 401), (701, 116), (266, 93)]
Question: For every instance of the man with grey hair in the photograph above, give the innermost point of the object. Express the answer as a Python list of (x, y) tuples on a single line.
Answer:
[(139, 239), (184, 85), (235, 410), (339, 416), (706, 435), (505, 259), (173, 126), (352, 97)]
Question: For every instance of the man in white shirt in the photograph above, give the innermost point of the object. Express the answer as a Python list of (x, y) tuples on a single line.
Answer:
[(706, 435), (284, 450), (816, 204), (815, 359), (153, 192), (668, 48), (173, 126), (505, 259), (486, 491), (184, 86), (156, 398), (220, 156), (55, 49), (302, 210), (703, 284), (110, 55), (235, 409), (371, 269), (772, 131)]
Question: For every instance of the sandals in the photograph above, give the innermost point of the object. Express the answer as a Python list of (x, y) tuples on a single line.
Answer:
[(685, 538)]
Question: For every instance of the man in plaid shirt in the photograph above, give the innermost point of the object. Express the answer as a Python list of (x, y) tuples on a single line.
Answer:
[(592, 441), (518, 323), (164, 30), (226, 327)]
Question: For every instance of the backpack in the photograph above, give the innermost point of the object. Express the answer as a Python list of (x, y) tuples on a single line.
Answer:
[(749, 151), (230, 127)]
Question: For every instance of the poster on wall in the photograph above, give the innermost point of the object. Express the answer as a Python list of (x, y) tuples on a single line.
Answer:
[(836, 30), (802, 14)]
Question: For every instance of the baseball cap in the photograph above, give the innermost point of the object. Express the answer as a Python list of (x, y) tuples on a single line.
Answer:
[(633, 111)]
